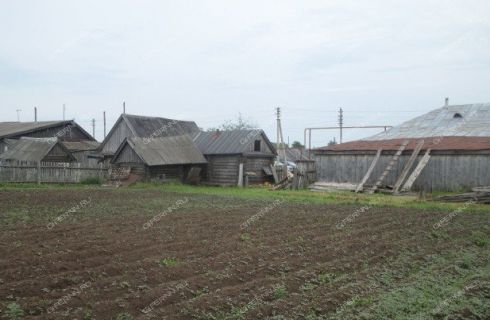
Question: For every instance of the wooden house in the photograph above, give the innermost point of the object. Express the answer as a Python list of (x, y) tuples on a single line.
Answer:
[(37, 150), (146, 128), (228, 151), (159, 159), (62, 130)]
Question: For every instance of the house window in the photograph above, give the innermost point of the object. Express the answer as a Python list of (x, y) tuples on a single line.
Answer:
[(257, 145), (457, 115)]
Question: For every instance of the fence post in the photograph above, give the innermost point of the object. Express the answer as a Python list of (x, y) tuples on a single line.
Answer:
[(39, 172)]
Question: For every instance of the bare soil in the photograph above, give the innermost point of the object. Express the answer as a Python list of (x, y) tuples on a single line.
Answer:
[(197, 262)]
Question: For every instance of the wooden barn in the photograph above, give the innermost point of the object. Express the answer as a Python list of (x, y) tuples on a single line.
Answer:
[(160, 159), (62, 130), (37, 150), (146, 128), (230, 152), (447, 149), (82, 150)]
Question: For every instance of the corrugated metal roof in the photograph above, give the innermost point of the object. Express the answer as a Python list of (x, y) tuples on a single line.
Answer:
[(470, 120), (84, 145), (29, 149), (434, 143), (165, 151), (18, 128), (228, 142), (153, 127)]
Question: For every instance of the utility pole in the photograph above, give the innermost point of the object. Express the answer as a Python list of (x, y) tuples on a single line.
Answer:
[(18, 114), (35, 114), (64, 109), (278, 124), (124, 107), (104, 125), (341, 123), (280, 143), (93, 128)]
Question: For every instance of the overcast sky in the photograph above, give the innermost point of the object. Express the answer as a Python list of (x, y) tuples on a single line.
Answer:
[(383, 62)]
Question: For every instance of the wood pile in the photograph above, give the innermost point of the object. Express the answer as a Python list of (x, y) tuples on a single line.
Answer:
[(283, 184), (478, 195), (332, 186)]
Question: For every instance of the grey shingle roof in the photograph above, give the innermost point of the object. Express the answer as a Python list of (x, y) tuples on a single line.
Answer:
[(227, 142), (30, 149), (150, 127), (165, 151), (17, 128), (84, 145), (474, 122)]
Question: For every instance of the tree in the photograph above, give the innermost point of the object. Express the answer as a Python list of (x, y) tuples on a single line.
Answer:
[(297, 144), (332, 142), (239, 123)]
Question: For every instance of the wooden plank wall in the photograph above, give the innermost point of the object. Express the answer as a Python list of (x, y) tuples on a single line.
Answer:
[(51, 172), (167, 173), (444, 172), (223, 170), (255, 164), (84, 160), (113, 142)]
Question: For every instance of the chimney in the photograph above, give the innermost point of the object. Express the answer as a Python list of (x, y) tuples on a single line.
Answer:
[(35, 114), (124, 107), (446, 103)]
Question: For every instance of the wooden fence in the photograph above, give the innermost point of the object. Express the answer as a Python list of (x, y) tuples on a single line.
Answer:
[(49, 172)]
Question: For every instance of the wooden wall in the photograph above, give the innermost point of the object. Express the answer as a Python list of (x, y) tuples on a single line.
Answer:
[(223, 169), (446, 171), (84, 160), (117, 136), (255, 165), (264, 147), (57, 154), (167, 173)]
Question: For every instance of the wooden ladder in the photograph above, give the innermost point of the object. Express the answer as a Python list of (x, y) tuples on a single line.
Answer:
[(408, 166), (389, 167), (423, 162), (360, 186)]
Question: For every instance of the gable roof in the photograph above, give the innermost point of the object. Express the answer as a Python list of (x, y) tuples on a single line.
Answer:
[(32, 149), (471, 120), (229, 142), (164, 151), (152, 127), (17, 129), (149, 127)]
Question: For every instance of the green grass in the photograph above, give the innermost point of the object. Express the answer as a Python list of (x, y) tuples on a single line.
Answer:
[(13, 311), (263, 193), (437, 289), (309, 197), (280, 292), (168, 262)]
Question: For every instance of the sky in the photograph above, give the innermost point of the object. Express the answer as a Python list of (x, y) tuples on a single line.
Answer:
[(381, 61)]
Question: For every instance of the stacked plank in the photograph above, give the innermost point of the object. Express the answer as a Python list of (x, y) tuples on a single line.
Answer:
[(332, 186), (478, 195)]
